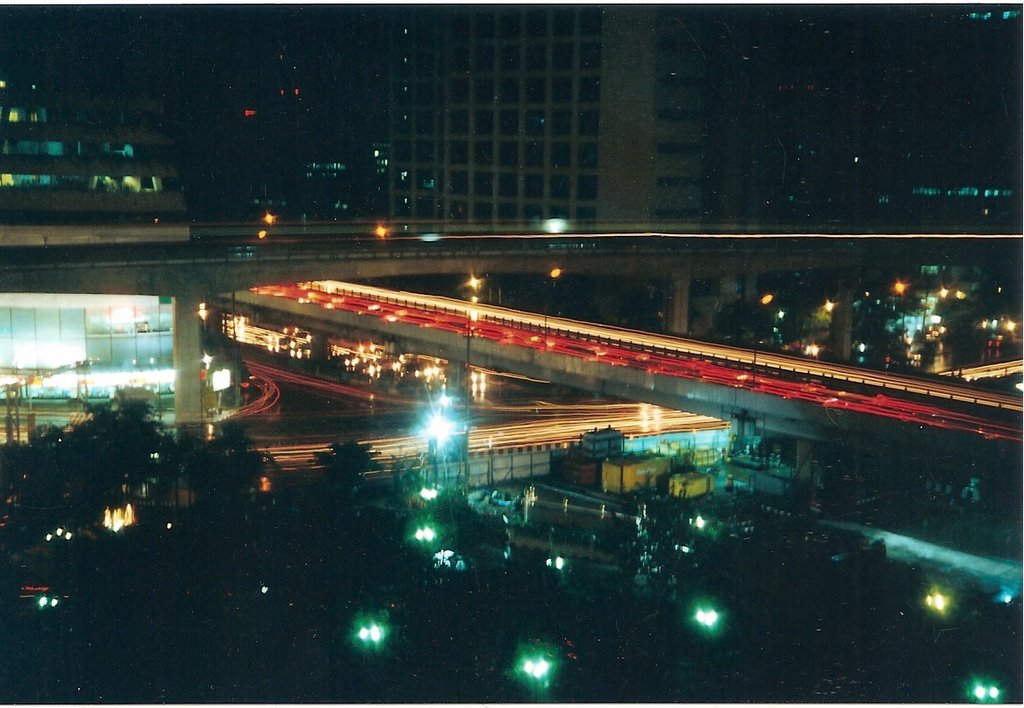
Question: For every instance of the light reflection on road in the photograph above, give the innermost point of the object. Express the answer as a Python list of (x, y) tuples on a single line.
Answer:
[(533, 423)]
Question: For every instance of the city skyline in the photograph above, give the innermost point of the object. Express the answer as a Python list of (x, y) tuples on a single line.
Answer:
[(876, 109)]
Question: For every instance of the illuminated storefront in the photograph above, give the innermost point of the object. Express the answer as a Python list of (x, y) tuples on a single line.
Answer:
[(86, 345)]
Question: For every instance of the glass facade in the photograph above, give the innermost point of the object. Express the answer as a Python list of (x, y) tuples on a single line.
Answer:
[(110, 332)]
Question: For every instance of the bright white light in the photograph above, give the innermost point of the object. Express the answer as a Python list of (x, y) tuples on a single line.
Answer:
[(937, 601), (444, 400), (993, 692), (49, 537), (53, 602), (707, 618), (43, 601), (425, 534), (699, 522), (221, 379), (439, 428), (67, 536), (375, 633), (364, 633), (536, 668), (428, 494), (556, 226), (559, 563), (979, 692), (264, 589)]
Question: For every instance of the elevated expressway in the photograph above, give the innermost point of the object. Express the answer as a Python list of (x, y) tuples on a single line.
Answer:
[(221, 262), (795, 397)]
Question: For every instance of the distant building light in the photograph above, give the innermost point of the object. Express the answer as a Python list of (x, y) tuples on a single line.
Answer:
[(249, 112), (555, 226)]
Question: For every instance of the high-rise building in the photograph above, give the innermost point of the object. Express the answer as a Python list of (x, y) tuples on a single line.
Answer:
[(684, 118), (548, 115), (83, 159)]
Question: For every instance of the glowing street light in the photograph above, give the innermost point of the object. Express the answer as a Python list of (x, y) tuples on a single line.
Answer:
[(555, 273), (439, 428), (425, 534), (829, 306), (899, 287), (558, 563), (269, 219), (708, 618), (428, 493), (937, 601), (536, 667), (370, 633), (381, 231), (984, 692), (767, 298)]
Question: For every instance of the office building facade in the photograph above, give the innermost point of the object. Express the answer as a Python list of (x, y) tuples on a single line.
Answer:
[(83, 159), (525, 116)]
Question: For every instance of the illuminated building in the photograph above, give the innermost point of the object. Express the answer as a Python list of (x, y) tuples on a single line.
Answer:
[(683, 118), (84, 161), (530, 115), (95, 344), (68, 159)]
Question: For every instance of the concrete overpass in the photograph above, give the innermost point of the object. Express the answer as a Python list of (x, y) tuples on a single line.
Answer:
[(806, 422), (192, 272)]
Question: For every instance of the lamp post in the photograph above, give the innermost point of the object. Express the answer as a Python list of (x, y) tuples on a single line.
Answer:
[(555, 273), (536, 668)]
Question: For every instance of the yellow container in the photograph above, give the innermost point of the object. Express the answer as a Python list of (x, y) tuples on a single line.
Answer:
[(690, 484), (628, 474)]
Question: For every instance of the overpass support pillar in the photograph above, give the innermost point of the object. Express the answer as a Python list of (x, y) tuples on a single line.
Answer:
[(678, 320), (840, 331), (319, 347), (806, 458), (737, 287), (457, 378), (188, 359)]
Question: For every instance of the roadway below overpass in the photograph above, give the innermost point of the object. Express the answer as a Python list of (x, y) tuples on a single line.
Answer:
[(754, 390)]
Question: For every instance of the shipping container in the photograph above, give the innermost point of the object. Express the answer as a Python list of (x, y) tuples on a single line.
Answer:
[(583, 474), (691, 484), (628, 474)]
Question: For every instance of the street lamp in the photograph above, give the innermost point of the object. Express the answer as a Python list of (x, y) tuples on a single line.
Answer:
[(426, 534), (438, 430), (707, 616), (536, 667), (937, 602), (984, 691), (369, 633), (555, 273)]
